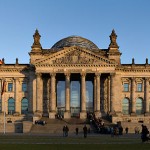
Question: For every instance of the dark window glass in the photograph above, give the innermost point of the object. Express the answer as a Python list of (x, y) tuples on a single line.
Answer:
[(10, 87), (89, 96), (24, 106), (139, 106), (125, 106), (75, 98), (139, 87), (126, 87), (24, 87), (11, 106)]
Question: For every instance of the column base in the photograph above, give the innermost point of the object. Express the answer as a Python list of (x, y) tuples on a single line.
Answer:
[(67, 115), (98, 114), (83, 115), (146, 114), (36, 116), (52, 115)]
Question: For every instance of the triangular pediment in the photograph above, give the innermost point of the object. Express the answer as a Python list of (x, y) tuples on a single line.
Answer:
[(74, 56)]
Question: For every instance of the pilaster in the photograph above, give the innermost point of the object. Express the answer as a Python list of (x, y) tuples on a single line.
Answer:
[(133, 101), (112, 93), (17, 96), (147, 96)]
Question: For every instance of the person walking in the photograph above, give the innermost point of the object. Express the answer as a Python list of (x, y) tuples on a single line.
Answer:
[(77, 130), (85, 131), (126, 130), (67, 130), (64, 131)]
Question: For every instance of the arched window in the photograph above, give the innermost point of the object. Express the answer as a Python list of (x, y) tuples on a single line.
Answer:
[(139, 106), (125, 106), (11, 106), (24, 106)]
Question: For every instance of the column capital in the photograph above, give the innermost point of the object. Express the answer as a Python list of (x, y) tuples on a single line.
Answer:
[(97, 74), (83, 74), (147, 79), (38, 75), (67, 74), (112, 74), (52, 74), (133, 78)]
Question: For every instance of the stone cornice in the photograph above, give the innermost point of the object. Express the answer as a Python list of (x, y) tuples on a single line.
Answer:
[(71, 49), (18, 68), (12, 70), (75, 65), (133, 70)]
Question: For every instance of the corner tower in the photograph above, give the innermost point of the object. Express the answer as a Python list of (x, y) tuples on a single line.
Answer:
[(113, 49), (36, 47)]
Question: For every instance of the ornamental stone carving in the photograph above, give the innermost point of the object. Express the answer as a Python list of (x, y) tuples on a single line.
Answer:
[(75, 57)]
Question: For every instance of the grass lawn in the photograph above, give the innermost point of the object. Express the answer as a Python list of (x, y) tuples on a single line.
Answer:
[(74, 146), (41, 142)]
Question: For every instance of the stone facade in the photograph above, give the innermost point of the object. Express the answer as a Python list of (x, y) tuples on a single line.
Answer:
[(119, 91)]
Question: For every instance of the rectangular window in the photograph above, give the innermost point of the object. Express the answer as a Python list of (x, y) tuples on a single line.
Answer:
[(139, 87), (126, 87), (10, 87), (24, 87)]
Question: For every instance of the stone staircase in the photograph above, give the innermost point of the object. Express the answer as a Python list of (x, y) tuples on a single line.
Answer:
[(132, 125), (55, 126)]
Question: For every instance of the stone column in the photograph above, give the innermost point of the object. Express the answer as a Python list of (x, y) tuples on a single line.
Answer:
[(112, 93), (83, 114), (39, 93), (98, 113), (133, 101), (146, 96), (67, 96), (108, 94), (52, 112), (94, 94)]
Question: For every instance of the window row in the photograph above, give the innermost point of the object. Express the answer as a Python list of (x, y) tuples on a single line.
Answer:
[(126, 87), (10, 87), (11, 106), (126, 106)]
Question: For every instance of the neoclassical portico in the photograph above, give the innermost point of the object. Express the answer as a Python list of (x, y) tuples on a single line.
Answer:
[(96, 101)]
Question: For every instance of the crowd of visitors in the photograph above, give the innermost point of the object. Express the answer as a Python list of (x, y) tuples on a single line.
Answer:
[(100, 126)]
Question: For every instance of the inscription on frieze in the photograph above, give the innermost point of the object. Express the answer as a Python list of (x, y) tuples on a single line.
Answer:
[(74, 70)]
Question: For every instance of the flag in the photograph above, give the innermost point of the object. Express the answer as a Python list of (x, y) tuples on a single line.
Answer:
[(1, 62), (3, 87)]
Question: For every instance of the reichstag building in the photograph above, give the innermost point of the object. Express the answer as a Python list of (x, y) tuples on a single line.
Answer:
[(72, 78)]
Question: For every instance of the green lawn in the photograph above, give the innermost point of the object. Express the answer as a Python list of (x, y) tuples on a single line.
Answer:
[(106, 142)]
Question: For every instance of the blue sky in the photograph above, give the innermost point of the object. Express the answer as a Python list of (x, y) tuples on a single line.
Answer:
[(91, 19)]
